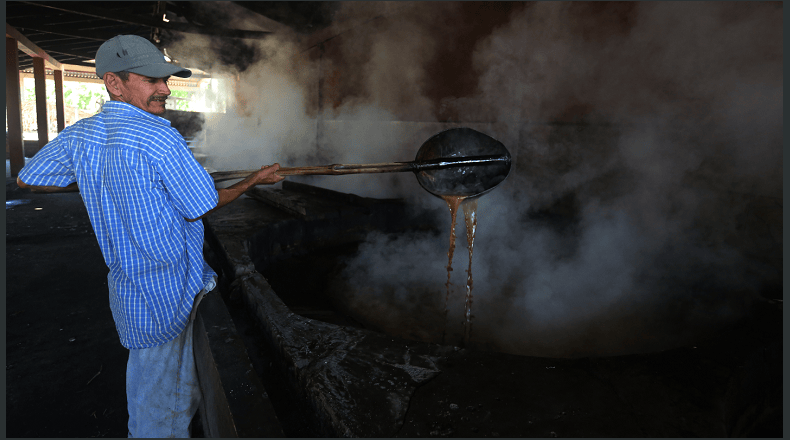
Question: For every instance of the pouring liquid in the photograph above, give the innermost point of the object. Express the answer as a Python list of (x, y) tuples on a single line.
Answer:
[(470, 217), (453, 202)]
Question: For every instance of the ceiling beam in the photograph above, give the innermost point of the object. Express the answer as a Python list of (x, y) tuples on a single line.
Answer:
[(88, 29), (70, 43), (93, 35), (31, 49), (141, 20), (338, 29), (80, 56)]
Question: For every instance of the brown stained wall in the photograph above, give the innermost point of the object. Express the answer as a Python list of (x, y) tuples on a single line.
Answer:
[(449, 72)]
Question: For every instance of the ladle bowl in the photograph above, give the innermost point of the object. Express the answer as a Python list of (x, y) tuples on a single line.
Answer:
[(471, 179), (455, 162)]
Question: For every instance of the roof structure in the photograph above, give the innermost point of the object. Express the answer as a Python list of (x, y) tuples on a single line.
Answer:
[(70, 32)]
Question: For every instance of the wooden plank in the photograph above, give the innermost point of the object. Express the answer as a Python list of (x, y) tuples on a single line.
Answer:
[(13, 105), (324, 193), (236, 403), (40, 77), (277, 199), (30, 48), (215, 414), (59, 101)]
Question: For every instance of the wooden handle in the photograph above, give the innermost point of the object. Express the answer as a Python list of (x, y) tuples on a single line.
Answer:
[(338, 169), (390, 167), (329, 170)]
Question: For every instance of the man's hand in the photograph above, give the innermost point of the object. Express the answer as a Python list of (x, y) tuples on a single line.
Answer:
[(266, 176), (47, 189)]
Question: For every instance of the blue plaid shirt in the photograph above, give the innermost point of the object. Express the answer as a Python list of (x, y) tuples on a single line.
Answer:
[(139, 182)]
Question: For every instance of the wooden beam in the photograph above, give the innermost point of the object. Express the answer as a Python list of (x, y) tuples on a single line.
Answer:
[(81, 57), (92, 10), (13, 104), (48, 42), (161, 9), (69, 78), (338, 28), (29, 48), (40, 77), (59, 102), (54, 30)]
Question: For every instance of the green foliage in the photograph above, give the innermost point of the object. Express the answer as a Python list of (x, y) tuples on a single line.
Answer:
[(80, 95), (179, 104), (85, 95)]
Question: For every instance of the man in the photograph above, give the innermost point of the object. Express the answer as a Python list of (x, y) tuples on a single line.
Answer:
[(144, 191)]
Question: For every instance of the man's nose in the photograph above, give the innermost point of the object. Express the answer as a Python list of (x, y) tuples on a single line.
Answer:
[(163, 88)]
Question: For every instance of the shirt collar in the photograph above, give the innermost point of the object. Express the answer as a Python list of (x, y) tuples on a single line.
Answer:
[(122, 108)]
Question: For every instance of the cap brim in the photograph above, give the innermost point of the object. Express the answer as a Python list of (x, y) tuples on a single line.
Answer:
[(161, 70)]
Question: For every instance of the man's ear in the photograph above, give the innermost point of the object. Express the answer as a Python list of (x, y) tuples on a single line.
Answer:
[(112, 82)]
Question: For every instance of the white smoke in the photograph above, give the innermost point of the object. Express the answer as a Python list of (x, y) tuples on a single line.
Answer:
[(669, 110)]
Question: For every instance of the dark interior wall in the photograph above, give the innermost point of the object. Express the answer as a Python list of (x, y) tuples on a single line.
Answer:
[(453, 31)]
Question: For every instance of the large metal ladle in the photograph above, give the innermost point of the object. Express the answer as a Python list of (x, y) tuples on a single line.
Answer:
[(455, 162)]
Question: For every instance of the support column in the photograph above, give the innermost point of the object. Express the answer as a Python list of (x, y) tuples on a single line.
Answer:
[(319, 120), (13, 106), (40, 77), (59, 102)]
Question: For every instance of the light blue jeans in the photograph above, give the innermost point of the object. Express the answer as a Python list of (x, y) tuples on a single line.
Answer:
[(162, 389)]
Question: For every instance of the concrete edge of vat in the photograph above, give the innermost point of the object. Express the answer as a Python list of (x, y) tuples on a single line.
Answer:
[(380, 374), (234, 403), (236, 273), (351, 382), (307, 352), (269, 312)]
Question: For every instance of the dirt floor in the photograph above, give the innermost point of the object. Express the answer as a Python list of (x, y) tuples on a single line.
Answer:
[(65, 366)]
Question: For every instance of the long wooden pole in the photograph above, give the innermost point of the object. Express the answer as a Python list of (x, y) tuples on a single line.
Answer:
[(340, 169), (326, 170), (13, 105)]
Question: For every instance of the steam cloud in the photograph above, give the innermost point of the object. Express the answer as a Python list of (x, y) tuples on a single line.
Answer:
[(614, 231)]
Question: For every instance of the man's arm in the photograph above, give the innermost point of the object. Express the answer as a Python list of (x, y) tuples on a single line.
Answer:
[(47, 189), (266, 176)]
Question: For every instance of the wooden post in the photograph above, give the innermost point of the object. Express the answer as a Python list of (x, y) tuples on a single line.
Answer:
[(319, 120), (13, 105), (40, 77), (59, 106)]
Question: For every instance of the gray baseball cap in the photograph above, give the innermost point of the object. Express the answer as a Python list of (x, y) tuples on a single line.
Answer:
[(135, 54)]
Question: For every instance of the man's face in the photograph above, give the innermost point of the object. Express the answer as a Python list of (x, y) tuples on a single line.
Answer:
[(145, 93)]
